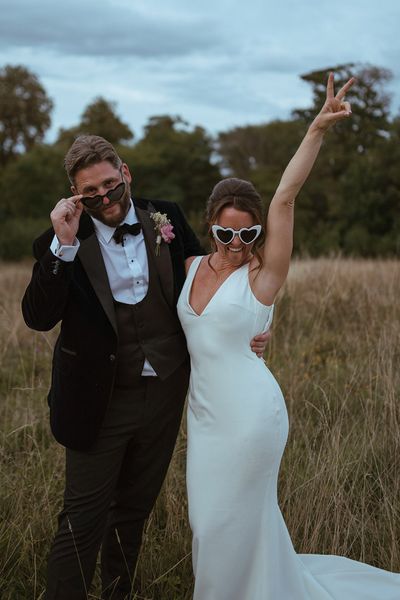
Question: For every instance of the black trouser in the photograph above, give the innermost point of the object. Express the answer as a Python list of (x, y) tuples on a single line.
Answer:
[(111, 489)]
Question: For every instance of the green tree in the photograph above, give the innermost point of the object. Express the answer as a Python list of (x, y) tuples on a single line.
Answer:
[(173, 161), (24, 111), (260, 153), (351, 202), (344, 207), (369, 100), (371, 199), (32, 184), (98, 118)]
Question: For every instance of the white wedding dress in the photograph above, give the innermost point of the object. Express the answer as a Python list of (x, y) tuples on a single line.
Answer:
[(237, 431)]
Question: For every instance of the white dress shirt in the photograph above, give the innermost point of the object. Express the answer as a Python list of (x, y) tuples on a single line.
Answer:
[(126, 264)]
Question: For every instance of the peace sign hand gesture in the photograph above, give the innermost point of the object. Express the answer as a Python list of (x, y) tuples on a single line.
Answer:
[(335, 108)]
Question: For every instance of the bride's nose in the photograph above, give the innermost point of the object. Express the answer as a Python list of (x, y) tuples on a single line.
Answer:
[(236, 241)]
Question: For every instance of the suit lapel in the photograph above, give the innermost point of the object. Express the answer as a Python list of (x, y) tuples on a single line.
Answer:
[(163, 261), (92, 260)]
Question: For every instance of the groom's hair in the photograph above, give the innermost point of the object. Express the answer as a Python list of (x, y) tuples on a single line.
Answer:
[(88, 150)]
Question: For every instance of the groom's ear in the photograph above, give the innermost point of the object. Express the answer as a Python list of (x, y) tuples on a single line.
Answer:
[(73, 190), (126, 173)]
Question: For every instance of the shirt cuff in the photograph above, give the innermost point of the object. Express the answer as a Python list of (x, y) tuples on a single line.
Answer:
[(65, 253)]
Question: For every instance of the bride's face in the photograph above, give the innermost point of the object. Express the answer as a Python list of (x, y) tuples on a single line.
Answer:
[(236, 253)]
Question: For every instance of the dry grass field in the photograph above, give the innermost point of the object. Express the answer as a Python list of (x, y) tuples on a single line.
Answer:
[(335, 351)]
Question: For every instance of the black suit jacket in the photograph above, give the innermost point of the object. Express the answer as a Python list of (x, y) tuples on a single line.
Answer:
[(78, 294)]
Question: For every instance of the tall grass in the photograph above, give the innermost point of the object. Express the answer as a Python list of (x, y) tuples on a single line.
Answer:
[(335, 351)]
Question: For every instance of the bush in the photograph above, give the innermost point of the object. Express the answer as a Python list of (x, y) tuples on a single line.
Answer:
[(17, 235)]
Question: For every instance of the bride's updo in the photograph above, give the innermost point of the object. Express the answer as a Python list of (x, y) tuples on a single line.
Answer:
[(240, 194)]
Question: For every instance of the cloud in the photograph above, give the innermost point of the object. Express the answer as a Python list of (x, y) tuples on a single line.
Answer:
[(216, 63), (103, 29)]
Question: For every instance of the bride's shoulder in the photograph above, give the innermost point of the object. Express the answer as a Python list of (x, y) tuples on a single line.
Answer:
[(188, 262)]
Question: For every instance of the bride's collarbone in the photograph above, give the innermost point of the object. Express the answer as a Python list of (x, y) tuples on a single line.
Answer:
[(205, 285), (212, 278), (207, 281)]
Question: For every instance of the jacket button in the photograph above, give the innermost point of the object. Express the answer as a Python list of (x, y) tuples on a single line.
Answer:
[(112, 357)]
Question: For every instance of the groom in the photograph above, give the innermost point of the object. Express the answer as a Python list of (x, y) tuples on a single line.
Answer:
[(120, 367)]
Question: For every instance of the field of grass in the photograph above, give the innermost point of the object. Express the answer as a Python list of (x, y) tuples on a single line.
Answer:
[(335, 351)]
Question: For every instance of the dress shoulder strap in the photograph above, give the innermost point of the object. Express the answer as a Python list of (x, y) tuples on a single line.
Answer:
[(193, 268)]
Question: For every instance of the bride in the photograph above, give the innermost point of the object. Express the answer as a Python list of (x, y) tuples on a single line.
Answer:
[(237, 419)]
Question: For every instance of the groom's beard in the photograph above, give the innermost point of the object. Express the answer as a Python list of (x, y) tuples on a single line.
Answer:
[(113, 214)]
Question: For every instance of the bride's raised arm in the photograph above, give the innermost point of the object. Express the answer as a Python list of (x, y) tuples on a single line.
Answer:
[(279, 226)]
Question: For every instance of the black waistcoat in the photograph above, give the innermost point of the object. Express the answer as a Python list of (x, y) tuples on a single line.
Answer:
[(141, 336)]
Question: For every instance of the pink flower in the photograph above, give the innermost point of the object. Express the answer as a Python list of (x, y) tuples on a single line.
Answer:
[(167, 233)]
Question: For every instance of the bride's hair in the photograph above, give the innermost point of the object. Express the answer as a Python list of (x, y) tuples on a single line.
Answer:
[(242, 195)]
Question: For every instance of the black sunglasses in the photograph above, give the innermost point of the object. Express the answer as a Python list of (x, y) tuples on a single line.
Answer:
[(113, 195), (225, 235)]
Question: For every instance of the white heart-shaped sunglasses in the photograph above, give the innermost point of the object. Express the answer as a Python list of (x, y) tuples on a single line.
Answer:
[(225, 235)]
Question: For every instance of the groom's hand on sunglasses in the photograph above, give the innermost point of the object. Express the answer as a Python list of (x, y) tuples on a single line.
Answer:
[(65, 219), (259, 343)]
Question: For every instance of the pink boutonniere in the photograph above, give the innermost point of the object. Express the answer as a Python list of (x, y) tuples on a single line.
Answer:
[(163, 228)]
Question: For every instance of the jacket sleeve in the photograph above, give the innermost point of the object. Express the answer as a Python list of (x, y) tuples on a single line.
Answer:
[(47, 294), (192, 246)]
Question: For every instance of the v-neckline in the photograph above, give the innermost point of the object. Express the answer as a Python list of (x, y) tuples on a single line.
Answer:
[(214, 294)]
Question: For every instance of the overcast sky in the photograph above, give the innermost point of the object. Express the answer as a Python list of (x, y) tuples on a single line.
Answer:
[(216, 63)]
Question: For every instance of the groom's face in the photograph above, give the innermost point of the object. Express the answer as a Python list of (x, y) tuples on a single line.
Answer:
[(97, 180)]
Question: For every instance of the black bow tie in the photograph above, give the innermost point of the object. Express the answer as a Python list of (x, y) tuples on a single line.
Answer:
[(125, 228)]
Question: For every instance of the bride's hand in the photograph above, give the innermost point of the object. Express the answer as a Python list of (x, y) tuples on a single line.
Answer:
[(335, 108)]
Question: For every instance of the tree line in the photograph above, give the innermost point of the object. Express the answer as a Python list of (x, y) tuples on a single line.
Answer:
[(350, 205)]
